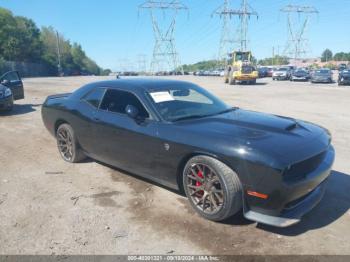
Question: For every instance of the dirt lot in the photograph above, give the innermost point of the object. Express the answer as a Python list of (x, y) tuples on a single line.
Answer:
[(48, 206)]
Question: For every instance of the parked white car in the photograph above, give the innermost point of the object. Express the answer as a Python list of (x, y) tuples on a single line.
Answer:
[(281, 73)]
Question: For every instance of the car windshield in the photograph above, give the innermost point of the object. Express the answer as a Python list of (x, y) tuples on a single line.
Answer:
[(282, 69), (322, 72), (186, 102)]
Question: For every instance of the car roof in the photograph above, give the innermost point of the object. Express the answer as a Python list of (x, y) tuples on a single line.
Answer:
[(147, 84)]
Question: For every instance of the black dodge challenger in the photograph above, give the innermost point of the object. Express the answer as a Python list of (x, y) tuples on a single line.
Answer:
[(177, 134)]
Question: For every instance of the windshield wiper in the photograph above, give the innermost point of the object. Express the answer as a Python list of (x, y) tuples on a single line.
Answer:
[(189, 117), (227, 111), (202, 116)]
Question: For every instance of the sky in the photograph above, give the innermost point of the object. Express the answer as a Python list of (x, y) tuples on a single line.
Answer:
[(115, 33)]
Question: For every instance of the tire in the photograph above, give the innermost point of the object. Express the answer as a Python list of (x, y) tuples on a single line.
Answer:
[(221, 194), (68, 145), (232, 81)]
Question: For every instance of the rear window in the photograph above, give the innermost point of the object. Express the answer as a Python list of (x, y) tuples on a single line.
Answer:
[(94, 97)]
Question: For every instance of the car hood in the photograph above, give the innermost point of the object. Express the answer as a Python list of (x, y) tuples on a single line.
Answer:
[(282, 138)]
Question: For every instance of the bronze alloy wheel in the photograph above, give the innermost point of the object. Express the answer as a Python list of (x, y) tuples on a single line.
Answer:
[(65, 144), (205, 188)]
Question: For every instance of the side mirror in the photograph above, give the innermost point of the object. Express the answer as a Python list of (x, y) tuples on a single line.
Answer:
[(132, 111)]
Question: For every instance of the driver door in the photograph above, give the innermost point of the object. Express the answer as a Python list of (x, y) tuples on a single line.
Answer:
[(120, 140), (13, 81)]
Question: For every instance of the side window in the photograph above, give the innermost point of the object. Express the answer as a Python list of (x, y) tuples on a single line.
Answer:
[(94, 97), (11, 76), (116, 101)]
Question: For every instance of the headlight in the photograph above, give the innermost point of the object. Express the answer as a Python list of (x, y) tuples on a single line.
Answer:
[(8, 92)]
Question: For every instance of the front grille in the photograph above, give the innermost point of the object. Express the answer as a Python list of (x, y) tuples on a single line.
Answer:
[(296, 202), (247, 70), (302, 169)]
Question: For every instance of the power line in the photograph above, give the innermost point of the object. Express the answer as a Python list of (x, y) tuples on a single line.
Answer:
[(165, 57), (297, 44)]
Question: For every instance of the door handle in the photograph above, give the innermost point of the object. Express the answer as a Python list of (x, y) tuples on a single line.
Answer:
[(96, 119)]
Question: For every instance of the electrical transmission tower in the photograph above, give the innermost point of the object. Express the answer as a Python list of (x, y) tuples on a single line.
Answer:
[(165, 56), (297, 44), (142, 63), (244, 14), (227, 39)]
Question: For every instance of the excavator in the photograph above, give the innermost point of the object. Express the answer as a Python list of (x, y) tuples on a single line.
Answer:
[(240, 68)]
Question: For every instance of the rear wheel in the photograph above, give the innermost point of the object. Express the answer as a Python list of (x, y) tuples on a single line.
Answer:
[(213, 189), (68, 145)]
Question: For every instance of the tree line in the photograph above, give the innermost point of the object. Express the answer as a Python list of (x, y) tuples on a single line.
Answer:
[(22, 41), (327, 55)]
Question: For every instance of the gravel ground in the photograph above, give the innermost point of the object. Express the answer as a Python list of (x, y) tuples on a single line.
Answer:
[(48, 206)]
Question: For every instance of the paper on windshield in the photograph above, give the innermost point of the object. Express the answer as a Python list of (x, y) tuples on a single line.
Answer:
[(160, 97)]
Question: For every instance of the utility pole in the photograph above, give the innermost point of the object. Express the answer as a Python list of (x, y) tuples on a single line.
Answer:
[(165, 57), (297, 43), (59, 66), (273, 55)]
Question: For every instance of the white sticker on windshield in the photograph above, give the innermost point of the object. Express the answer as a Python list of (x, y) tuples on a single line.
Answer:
[(160, 97)]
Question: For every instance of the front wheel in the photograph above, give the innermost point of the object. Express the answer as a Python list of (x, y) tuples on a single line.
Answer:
[(68, 145), (213, 189)]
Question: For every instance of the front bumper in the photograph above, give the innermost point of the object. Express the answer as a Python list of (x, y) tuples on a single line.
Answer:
[(321, 80), (291, 201), (6, 103), (299, 78), (280, 77), (246, 78), (344, 81)]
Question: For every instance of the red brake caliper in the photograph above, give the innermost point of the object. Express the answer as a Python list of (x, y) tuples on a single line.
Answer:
[(198, 184)]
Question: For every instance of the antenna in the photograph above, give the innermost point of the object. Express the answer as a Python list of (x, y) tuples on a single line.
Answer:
[(165, 56), (297, 44)]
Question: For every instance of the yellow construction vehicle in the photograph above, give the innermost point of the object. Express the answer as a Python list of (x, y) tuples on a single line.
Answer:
[(240, 68)]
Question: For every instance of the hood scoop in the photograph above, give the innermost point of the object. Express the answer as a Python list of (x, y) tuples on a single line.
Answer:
[(292, 127)]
